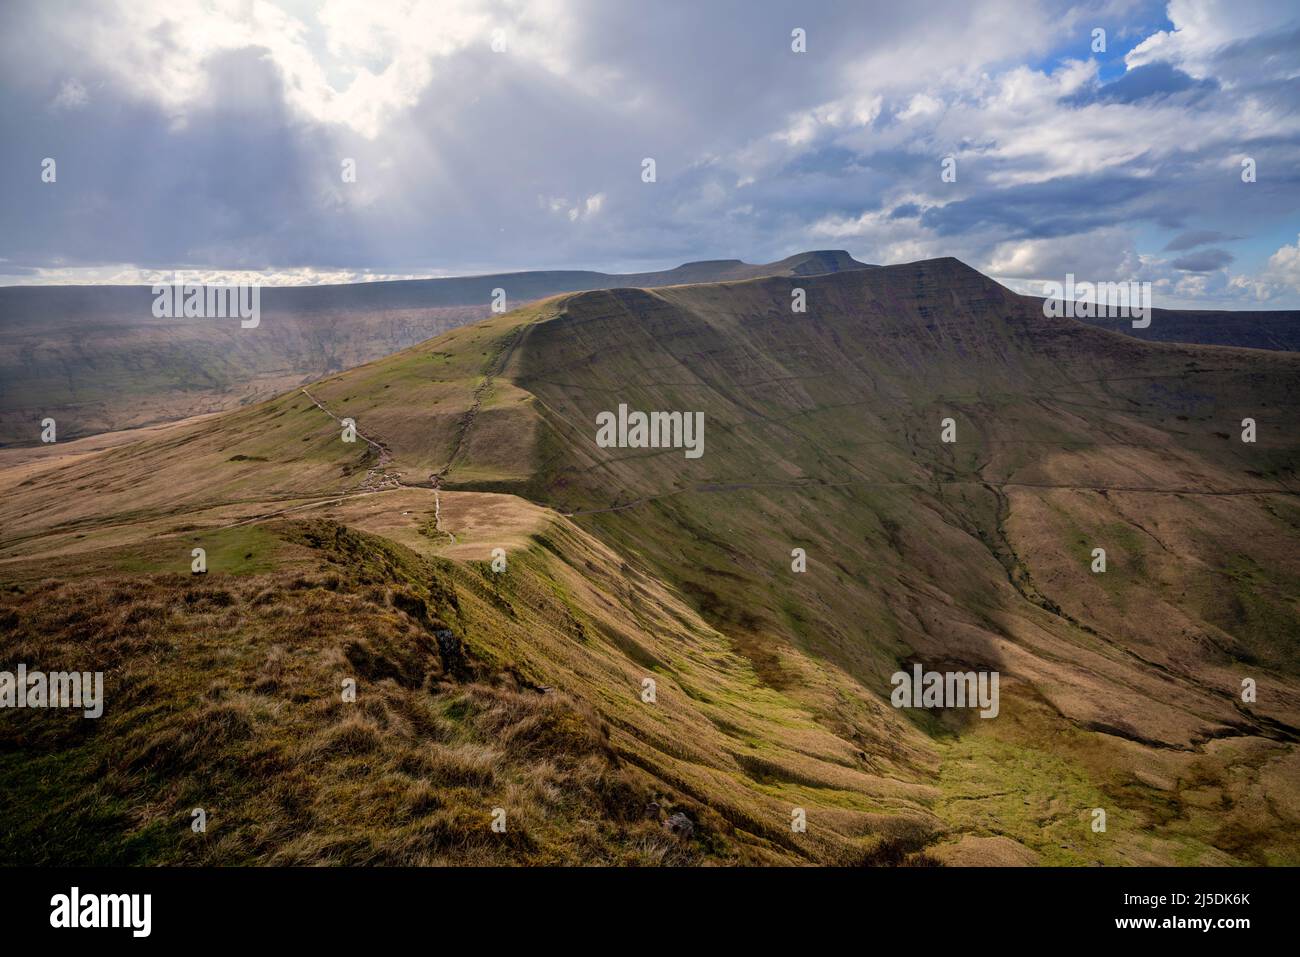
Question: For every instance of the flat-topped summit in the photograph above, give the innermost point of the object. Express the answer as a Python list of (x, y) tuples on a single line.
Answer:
[(822, 261)]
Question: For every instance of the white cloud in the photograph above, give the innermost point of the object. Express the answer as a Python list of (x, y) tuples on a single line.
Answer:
[(71, 96), (921, 105), (574, 211), (1102, 255), (356, 63), (1284, 266), (1204, 28), (1279, 278)]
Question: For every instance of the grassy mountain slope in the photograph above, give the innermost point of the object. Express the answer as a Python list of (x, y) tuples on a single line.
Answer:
[(1119, 691)]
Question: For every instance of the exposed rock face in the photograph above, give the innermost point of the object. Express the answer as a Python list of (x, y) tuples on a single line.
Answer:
[(680, 826)]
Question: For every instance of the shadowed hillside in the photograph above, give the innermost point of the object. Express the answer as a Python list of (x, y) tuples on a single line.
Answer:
[(328, 559)]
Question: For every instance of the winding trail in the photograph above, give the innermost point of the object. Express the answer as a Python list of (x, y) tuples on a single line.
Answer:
[(437, 516), (378, 477)]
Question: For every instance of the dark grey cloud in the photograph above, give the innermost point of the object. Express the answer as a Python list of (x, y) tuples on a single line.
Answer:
[(1059, 207), (1196, 237), (1204, 260)]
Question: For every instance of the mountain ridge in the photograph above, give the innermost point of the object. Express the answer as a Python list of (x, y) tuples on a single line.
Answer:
[(96, 359)]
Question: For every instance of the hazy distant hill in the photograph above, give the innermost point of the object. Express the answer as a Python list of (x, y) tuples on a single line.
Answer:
[(523, 687), (1279, 329), (96, 359)]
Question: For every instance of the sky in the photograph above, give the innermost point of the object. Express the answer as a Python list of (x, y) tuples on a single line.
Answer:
[(1114, 141)]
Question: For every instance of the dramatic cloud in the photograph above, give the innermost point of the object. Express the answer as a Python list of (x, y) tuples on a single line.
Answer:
[(498, 134)]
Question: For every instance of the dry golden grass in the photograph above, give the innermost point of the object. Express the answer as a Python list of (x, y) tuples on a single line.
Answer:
[(224, 693)]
